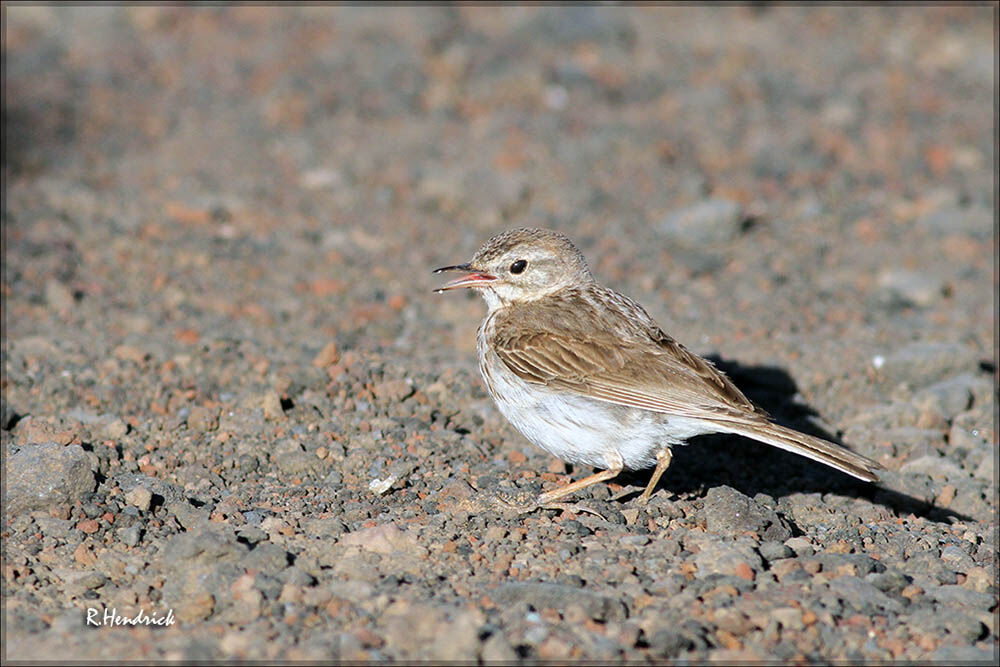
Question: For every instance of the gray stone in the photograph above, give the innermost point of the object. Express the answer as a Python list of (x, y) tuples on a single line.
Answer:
[(949, 397), (703, 223), (772, 551), (971, 439), (729, 512), (324, 527), (927, 568), (45, 475), (462, 644), (722, 555), (800, 545), (863, 596), (932, 622), (53, 527), (269, 586), (634, 540), (788, 617), (114, 429), (986, 469), (557, 596), (393, 391), (131, 535), (351, 590), (913, 440), (922, 363), (902, 288), (252, 534), (268, 404), (81, 580), (701, 262), (710, 582), (187, 514), (386, 539), (957, 558), (297, 576), (935, 466), (861, 563), (432, 632), (87, 417), (167, 491), (497, 649), (667, 585), (266, 557), (669, 643), (883, 416), (975, 221), (207, 544), (957, 596), (297, 462), (890, 581)]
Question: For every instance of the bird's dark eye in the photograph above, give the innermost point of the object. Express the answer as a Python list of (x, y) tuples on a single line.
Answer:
[(518, 266)]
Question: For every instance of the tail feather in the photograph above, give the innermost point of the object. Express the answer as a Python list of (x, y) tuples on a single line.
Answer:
[(814, 448)]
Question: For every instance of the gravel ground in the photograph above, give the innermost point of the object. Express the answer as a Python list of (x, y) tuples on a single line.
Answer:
[(229, 393)]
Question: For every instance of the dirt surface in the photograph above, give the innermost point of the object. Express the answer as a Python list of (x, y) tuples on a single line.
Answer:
[(230, 395)]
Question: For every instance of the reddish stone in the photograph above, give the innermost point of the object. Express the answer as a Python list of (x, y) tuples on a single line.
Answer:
[(89, 526)]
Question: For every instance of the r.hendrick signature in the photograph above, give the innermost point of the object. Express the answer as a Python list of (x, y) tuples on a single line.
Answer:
[(113, 618)]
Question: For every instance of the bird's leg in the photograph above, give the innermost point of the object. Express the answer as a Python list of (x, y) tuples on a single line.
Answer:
[(663, 458), (617, 465), (548, 499), (550, 496)]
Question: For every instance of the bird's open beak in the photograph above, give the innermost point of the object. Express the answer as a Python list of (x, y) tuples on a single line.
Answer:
[(474, 277)]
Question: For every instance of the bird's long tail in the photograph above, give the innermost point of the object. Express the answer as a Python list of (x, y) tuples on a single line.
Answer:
[(814, 448)]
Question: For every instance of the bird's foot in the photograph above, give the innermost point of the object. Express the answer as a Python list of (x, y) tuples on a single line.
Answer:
[(576, 508), (641, 499), (525, 503)]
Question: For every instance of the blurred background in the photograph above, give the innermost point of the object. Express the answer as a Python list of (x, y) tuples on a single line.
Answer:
[(247, 165)]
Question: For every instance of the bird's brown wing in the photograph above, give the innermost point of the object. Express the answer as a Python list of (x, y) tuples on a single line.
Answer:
[(632, 362)]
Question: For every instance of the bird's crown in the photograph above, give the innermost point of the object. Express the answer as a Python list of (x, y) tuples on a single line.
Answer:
[(532, 241)]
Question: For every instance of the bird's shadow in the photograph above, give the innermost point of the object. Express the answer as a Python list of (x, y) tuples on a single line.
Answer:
[(753, 467)]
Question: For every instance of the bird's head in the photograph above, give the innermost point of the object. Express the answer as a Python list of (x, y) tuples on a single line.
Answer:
[(521, 265)]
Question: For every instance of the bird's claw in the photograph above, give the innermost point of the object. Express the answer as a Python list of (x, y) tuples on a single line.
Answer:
[(572, 507)]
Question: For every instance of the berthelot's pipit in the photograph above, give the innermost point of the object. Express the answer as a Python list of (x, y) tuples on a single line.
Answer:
[(587, 375)]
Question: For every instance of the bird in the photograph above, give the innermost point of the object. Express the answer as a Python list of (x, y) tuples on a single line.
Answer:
[(584, 372)]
